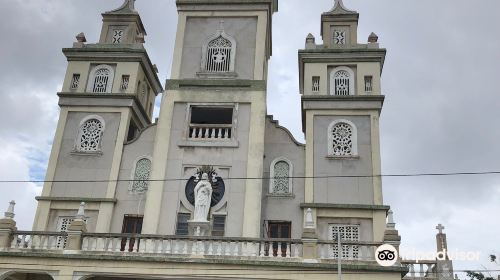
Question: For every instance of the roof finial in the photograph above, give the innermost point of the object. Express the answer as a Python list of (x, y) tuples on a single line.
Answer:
[(81, 212), (9, 214), (127, 7), (340, 8), (390, 220)]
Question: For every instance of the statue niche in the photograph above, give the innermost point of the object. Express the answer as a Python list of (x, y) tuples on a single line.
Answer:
[(203, 190), (218, 186)]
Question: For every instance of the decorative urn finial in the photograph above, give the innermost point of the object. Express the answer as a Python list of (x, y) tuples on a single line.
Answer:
[(390, 220), (373, 38), (9, 214), (80, 38), (81, 212)]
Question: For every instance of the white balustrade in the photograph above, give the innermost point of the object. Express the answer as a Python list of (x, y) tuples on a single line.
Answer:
[(38, 241), (422, 270), (164, 245), (210, 132)]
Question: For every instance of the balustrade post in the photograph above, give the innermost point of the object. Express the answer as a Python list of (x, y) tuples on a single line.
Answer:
[(75, 231), (310, 249), (7, 227)]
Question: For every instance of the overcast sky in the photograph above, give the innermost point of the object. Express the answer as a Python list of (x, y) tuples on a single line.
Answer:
[(441, 81)]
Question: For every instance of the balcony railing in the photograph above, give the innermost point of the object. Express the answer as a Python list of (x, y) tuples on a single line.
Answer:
[(350, 250), (227, 247), (179, 245), (421, 270), (38, 240), (214, 132)]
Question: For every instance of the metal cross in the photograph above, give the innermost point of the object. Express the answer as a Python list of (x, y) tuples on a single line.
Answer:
[(440, 227)]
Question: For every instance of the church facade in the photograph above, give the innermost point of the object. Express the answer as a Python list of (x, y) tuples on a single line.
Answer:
[(215, 187)]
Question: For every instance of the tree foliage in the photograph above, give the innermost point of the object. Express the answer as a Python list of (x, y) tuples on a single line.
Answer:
[(478, 276)]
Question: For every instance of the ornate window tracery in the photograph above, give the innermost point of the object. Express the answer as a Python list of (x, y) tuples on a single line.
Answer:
[(142, 173), (118, 35), (90, 134), (281, 173), (342, 139), (219, 53), (101, 79), (339, 37), (342, 81), (346, 233)]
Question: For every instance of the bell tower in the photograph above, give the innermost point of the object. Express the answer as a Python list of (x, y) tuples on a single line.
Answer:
[(107, 97), (341, 104), (213, 111)]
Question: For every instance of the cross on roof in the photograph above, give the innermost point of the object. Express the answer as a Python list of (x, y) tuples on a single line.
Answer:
[(440, 228)]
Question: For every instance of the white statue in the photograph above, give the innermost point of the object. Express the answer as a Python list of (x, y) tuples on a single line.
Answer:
[(202, 199)]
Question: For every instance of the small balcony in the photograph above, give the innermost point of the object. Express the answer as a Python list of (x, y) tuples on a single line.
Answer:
[(212, 132)]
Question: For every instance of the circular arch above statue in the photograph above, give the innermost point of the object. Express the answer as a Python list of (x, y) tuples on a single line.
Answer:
[(218, 186)]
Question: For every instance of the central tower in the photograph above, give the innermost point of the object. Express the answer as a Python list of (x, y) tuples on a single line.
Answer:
[(213, 111)]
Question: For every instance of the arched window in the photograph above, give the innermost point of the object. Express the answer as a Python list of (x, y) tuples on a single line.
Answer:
[(218, 55), (90, 134), (219, 52), (281, 173), (342, 139), (101, 79), (342, 81), (141, 175)]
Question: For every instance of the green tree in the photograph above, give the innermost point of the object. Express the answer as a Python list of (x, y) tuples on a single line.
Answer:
[(480, 276)]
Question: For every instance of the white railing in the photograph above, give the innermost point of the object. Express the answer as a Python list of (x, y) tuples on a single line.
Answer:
[(210, 132), (201, 246), (177, 245), (350, 251), (38, 240), (421, 270)]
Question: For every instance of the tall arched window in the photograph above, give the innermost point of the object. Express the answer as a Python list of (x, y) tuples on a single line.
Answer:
[(219, 52), (281, 173), (141, 175), (101, 79), (342, 139), (90, 134), (342, 81)]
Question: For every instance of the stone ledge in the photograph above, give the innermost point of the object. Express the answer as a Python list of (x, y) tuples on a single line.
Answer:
[(206, 84), (208, 143), (245, 261), (379, 98), (345, 206), (75, 199)]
